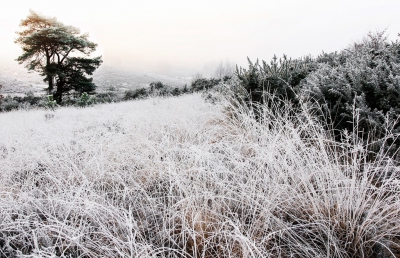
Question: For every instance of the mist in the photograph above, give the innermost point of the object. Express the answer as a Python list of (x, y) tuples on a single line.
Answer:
[(182, 38)]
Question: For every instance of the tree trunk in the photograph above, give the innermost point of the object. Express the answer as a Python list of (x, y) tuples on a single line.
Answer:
[(51, 83), (57, 96)]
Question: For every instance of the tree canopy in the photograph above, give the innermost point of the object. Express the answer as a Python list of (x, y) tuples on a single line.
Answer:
[(59, 52)]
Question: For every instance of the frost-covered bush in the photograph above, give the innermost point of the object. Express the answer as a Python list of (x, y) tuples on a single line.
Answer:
[(85, 100), (155, 89), (9, 104), (357, 89), (107, 97), (135, 94), (204, 84), (29, 101), (280, 78), (156, 86), (363, 80), (50, 103), (1, 96), (160, 89)]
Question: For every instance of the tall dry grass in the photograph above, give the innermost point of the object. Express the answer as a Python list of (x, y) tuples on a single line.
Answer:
[(180, 177)]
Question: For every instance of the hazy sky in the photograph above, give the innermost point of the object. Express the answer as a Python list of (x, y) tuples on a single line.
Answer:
[(184, 37)]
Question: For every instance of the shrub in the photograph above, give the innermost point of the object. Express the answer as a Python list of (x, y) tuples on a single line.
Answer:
[(31, 99), (204, 84), (362, 80), (106, 97), (1, 96), (185, 89), (358, 88), (50, 103), (165, 90), (85, 100), (135, 94), (281, 78), (156, 86), (160, 89), (26, 102), (176, 91), (9, 104)]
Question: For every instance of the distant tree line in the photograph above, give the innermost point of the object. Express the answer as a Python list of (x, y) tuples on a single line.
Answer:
[(29, 100)]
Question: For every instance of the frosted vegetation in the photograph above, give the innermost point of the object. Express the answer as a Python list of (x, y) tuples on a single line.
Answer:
[(291, 158), (184, 177)]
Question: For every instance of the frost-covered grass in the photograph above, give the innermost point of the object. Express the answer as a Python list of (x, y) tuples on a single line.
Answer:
[(179, 177)]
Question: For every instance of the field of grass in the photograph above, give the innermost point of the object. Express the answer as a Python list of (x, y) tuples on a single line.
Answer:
[(180, 177)]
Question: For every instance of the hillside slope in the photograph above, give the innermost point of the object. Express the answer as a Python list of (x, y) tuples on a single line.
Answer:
[(179, 177)]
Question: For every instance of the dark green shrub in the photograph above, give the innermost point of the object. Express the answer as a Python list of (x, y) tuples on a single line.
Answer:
[(251, 82), (226, 78), (280, 79), (185, 89), (9, 104), (358, 89), (363, 80), (106, 97), (176, 91), (135, 94), (85, 100), (204, 84), (156, 86), (164, 91), (26, 102), (160, 89), (50, 103), (31, 99), (1, 96)]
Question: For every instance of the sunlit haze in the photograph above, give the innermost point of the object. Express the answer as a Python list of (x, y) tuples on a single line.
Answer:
[(180, 37)]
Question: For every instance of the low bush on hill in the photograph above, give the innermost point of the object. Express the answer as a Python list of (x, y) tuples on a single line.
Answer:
[(355, 91), (135, 94), (26, 102)]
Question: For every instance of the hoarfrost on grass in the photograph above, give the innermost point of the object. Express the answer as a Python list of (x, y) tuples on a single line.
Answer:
[(179, 177)]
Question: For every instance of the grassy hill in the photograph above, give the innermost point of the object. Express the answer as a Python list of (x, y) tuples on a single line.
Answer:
[(180, 177)]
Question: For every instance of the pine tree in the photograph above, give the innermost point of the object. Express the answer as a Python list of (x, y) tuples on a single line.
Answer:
[(47, 46)]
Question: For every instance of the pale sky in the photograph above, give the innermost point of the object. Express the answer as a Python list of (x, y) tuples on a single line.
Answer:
[(183, 37)]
